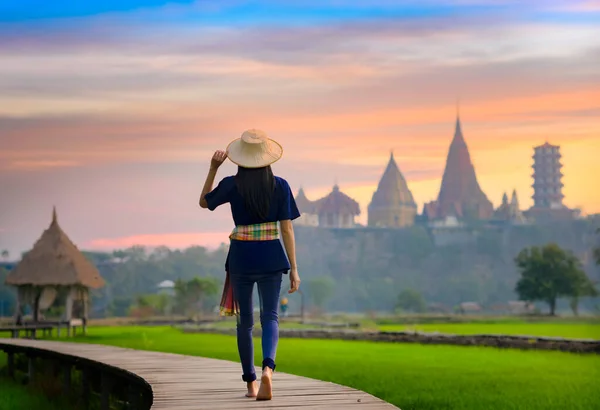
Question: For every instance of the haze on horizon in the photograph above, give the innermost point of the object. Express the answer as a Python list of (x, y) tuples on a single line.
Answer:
[(110, 110)]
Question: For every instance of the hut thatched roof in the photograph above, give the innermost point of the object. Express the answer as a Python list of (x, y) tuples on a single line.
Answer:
[(55, 260)]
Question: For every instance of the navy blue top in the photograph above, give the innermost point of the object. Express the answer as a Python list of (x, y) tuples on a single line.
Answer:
[(255, 256)]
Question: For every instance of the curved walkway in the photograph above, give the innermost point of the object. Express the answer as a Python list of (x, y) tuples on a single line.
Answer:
[(181, 382)]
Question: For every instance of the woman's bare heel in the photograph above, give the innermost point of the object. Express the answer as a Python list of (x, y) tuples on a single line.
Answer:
[(252, 389), (265, 392)]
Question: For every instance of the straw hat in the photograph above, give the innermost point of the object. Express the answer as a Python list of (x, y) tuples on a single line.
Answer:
[(254, 150)]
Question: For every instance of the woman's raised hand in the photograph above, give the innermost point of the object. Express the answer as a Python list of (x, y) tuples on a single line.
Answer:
[(217, 159)]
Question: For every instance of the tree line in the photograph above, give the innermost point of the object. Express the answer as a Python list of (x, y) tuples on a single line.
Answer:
[(358, 279)]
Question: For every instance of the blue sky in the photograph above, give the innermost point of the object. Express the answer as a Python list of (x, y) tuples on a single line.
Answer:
[(228, 10)]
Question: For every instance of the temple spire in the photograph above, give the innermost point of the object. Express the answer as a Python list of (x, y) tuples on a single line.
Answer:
[(392, 204), (458, 135), (514, 200), (54, 217), (460, 192), (458, 131)]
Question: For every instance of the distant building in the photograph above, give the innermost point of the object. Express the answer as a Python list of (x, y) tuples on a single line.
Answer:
[(450, 231), (308, 210), (392, 205), (167, 287), (337, 210), (460, 194), (547, 185), (547, 177), (510, 212)]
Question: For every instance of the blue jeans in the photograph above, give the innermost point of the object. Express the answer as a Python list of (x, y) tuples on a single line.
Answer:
[(269, 286)]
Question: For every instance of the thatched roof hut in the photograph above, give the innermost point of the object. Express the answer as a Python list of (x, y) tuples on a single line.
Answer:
[(55, 261)]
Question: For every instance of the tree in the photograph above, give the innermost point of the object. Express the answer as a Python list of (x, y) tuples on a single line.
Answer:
[(585, 288), (5, 255), (190, 295), (412, 301), (320, 289), (548, 273)]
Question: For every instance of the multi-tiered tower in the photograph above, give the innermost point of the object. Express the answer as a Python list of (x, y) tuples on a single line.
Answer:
[(547, 185), (547, 177)]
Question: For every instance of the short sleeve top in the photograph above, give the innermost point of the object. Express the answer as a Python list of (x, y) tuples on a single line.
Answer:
[(255, 256)]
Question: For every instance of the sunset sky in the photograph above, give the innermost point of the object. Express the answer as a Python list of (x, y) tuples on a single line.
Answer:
[(111, 109)]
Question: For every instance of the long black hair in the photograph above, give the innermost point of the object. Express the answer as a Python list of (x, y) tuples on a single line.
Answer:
[(256, 186)]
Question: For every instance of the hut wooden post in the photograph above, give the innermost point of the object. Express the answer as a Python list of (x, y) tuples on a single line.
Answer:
[(69, 305), (85, 296), (19, 308), (35, 308)]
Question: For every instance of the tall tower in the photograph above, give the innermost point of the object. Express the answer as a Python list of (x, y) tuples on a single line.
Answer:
[(547, 177), (460, 194)]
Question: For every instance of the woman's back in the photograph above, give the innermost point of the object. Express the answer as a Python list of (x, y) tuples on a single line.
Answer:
[(255, 256), (282, 204)]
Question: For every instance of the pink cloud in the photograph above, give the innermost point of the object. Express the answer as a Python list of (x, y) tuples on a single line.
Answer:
[(580, 6), (210, 240)]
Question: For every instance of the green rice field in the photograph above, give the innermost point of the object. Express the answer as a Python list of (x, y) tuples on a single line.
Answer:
[(410, 376), (568, 330), (575, 330)]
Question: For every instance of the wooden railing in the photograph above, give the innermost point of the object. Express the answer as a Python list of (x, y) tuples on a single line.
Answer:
[(89, 380), (108, 377)]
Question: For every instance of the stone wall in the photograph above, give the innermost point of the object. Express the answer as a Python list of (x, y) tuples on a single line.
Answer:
[(500, 341)]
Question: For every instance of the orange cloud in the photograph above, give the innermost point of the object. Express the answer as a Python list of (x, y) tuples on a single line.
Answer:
[(33, 165)]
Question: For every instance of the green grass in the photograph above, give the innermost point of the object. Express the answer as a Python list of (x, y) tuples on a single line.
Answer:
[(14, 396), (410, 376), (569, 330), (231, 323)]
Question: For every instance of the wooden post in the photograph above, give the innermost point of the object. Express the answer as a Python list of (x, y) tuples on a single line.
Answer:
[(10, 364), (85, 387), (66, 379), (106, 388), (301, 305), (31, 368), (133, 397)]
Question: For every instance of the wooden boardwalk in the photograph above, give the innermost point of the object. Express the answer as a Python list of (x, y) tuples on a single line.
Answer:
[(194, 383)]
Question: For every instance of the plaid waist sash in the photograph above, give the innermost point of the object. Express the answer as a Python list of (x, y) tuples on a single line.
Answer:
[(259, 232)]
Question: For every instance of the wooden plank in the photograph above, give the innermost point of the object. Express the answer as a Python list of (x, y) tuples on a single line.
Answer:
[(195, 383)]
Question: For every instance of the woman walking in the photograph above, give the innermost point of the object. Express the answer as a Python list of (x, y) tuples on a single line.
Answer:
[(258, 200)]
